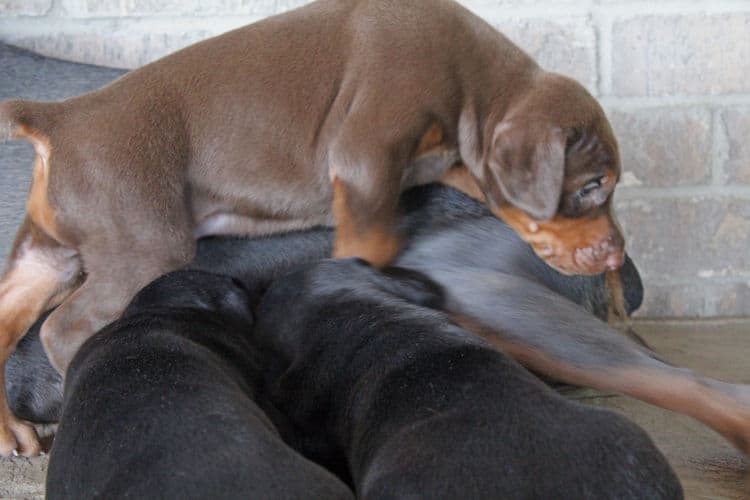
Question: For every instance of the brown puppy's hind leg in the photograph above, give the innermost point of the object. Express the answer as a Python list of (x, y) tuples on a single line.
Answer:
[(107, 290), (39, 274)]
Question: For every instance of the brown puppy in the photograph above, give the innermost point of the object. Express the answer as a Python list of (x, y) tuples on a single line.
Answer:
[(244, 134)]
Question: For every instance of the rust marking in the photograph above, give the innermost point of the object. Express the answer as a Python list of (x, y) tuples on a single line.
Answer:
[(558, 240), (375, 244), (458, 177), (431, 140), (38, 207), (37, 277)]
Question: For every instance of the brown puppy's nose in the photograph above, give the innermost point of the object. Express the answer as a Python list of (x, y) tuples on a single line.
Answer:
[(615, 260)]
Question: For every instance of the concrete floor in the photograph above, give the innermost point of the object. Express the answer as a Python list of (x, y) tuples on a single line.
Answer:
[(708, 467)]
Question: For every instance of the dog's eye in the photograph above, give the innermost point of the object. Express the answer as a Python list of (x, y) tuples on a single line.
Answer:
[(591, 186)]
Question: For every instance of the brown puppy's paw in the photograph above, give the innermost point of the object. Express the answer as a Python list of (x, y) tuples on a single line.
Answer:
[(18, 438)]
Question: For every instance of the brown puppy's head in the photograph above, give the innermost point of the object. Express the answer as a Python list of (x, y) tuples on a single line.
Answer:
[(550, 169)]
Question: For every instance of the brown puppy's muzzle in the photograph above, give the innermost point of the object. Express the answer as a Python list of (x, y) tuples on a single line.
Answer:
[(571, 246)]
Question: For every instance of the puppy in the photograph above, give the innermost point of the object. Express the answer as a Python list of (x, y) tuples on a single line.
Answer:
[(161, 402), (496, 286), (320, 115), (411, 406)]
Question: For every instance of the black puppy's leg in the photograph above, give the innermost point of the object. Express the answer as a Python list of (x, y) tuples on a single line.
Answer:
[(557, 338)]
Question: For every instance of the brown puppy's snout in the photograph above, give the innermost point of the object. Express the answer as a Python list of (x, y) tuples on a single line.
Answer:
[(571, 246), (607, 254)]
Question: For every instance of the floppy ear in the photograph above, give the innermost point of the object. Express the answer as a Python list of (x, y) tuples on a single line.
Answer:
[(632, 286), (527, 162)]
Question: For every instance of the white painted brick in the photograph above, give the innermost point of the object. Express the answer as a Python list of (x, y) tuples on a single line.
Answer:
[(284, 5), (687, 238), (736, 123), (704, 298), (696, 54), (567, 46), (111, 8), (664, 146), (24, 7)]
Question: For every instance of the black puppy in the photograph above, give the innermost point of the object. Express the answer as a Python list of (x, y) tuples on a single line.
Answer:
[(439, 222), (447, 230), (34, 388), (496, 286), (161, 403), (410, 406)]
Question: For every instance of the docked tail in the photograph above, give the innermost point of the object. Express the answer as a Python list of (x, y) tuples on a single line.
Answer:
[(19, 118), (11, 116)]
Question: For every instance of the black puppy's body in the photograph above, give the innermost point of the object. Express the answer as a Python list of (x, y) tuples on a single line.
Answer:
[(415, 407), (449, 234), (161, 403)]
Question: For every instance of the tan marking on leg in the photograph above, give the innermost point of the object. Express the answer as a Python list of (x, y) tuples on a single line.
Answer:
[(432, 139), (38, 207), (37, 277), (459, 177), (376, 244)]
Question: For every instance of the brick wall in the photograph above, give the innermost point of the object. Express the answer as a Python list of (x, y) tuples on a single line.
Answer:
[(674, 76)]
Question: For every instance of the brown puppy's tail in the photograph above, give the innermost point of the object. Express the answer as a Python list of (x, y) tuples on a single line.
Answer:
[(12, 114), (19, 117)]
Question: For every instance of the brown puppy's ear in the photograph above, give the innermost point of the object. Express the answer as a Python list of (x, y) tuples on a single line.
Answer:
[(527, 162)]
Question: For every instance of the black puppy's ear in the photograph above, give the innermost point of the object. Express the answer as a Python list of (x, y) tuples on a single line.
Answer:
[(632, 286), (527, 162), (412, 286)]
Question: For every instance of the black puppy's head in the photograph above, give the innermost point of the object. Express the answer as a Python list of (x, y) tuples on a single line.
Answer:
[(632, 286), (593, 292), (215, 293)]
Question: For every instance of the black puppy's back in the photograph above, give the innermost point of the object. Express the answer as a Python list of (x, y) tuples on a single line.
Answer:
[(162, 404), (448, 232), (416, 407)]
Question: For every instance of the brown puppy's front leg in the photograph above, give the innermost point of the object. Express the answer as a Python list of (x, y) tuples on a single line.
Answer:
[(554, 337), (39, 274), (362, 232)]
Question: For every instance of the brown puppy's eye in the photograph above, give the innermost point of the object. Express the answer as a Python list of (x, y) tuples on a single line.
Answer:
[(591, 186)]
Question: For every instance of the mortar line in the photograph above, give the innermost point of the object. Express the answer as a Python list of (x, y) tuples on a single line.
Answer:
[(705, 191)]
